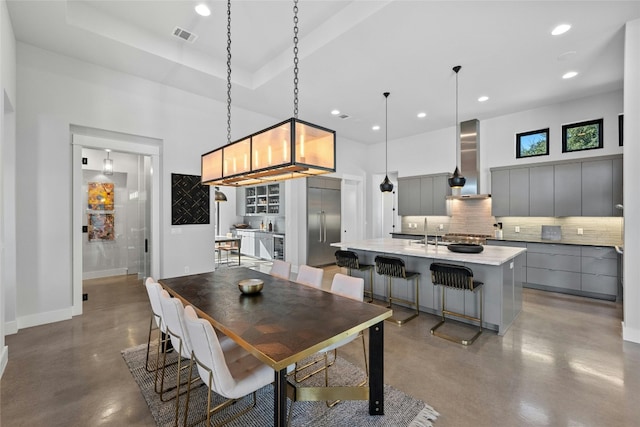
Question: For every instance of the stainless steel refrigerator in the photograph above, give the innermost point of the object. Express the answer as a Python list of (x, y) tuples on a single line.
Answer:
[(323, 220)]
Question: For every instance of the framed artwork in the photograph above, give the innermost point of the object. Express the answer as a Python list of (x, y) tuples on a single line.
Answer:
[(189, 200), (532, 143), (582, 136), (101, 227), (101, 196), (620, 129)]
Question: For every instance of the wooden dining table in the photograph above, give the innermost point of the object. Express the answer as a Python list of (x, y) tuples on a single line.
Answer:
[(285, 323)]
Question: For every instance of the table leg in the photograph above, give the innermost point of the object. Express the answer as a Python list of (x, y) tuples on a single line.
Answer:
[(376, 369), (280, 398)]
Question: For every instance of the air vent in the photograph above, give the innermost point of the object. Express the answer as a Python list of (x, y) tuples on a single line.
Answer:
[(344, 116), (184, 34)]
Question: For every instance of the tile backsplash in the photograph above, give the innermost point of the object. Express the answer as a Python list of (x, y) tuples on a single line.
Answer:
[(474, 216), (605, 231)]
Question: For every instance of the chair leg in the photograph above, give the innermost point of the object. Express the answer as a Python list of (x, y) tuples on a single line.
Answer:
[(442, 321), (146, 365), (395, 320)]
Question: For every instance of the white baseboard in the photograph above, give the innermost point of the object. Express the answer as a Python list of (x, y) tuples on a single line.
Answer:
[(105, 273), (44, 318), (630, 334), (11, 328), (4, 358)]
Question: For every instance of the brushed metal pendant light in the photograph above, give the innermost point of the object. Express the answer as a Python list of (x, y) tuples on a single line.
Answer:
[(386, 186), (457, 180)]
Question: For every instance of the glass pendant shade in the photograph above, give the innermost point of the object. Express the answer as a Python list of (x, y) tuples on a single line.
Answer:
[(107, 165), (291, 149)]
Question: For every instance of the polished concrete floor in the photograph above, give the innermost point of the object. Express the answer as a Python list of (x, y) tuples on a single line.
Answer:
[(563, 363)]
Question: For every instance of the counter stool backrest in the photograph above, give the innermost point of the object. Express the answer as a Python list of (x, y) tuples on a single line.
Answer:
[(453, 276), (390, 266), (347, 259)]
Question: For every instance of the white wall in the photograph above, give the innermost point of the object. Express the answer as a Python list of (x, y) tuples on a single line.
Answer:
[(7, 181), (631, 326), (56, 92), (497, 135)]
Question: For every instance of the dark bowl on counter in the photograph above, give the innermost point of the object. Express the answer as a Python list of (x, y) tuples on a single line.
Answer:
[(465, 248)]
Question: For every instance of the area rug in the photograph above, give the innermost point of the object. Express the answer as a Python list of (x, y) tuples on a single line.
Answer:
[(400, 409)]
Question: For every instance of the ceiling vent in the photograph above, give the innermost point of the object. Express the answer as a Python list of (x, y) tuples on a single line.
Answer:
[(184, 34), (344, 116)]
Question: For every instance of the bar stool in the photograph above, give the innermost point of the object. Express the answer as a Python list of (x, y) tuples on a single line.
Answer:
[(460, 278), (394, 267), (350, 261)]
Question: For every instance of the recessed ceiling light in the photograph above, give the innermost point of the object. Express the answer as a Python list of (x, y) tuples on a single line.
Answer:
[(570, 75), (375, 127), (483, 98), (335, 112), (203, 10), (560, 29), (422, 115)]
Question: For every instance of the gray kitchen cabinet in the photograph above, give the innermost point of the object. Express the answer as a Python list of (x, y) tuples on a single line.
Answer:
[(553, 266), (567, 199), (500, 192), (617, 185), (600, 272), (423, 195), (409, 196), (260, 200), (264, 245), (426, 195), (441, 190), (597, 188), (541, 191), (519, 192)]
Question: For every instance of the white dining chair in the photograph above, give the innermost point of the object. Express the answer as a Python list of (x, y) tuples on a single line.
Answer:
[(153, 292), (173, 316), (281, 269), (226, 369), (348, 287), (310, 276)]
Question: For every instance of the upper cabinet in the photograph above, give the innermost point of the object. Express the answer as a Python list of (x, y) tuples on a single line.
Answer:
[(260, 200), (423, 195), (587, 187)]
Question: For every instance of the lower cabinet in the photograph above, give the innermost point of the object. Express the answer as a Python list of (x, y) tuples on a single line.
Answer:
[(256, 244), (590, 271)]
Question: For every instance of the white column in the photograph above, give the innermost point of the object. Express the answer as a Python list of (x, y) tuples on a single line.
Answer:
[(631, 323)]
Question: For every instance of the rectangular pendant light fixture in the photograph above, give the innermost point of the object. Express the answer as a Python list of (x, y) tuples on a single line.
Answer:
[(291, 149)]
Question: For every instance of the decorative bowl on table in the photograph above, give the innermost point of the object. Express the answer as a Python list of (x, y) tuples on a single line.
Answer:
[(465, 248), (250, 286)]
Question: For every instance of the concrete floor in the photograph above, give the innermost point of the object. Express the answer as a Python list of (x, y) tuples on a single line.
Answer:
[(563, 363)]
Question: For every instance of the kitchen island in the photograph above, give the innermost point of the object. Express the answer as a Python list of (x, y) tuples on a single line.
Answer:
[(500, 268)]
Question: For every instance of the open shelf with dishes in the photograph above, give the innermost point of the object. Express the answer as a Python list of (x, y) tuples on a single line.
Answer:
[(264, 199)]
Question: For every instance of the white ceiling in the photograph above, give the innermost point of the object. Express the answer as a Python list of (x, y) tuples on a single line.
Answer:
[(351, 52)]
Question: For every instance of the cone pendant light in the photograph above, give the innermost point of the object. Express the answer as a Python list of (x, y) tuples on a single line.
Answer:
[(386, 186), (457, 180)]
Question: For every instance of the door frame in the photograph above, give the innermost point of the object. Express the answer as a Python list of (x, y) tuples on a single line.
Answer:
[(133, 146)]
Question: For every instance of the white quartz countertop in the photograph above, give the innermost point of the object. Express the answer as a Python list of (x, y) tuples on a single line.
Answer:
[(491, 255)]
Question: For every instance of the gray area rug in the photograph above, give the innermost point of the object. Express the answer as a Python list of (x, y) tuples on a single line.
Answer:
[(400, 409)]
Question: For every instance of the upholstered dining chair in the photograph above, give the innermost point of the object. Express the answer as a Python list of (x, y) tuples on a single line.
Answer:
[(173, 317), (310, 276), (348, 287), (153, 292), (225, 368), (281, 269)]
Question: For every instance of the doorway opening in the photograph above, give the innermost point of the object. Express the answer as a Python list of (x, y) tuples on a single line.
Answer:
[(115, 207)]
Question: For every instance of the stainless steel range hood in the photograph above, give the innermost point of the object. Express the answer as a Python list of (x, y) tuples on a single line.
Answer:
[(470, 160)]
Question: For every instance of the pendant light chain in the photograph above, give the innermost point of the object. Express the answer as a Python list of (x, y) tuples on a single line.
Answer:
[(295, 59), (386, 132), (228, 71), (457, 124)]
